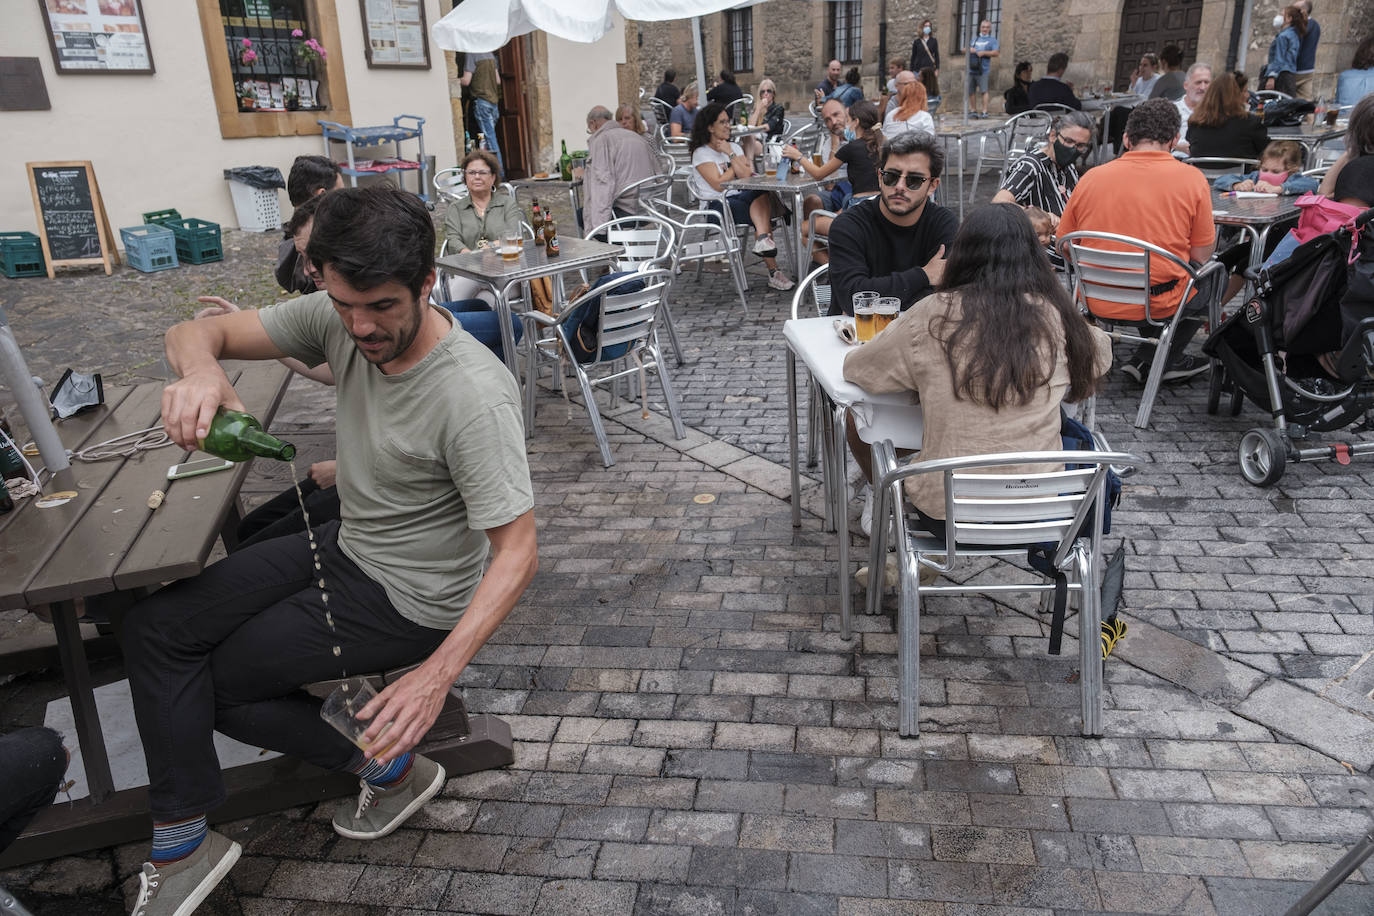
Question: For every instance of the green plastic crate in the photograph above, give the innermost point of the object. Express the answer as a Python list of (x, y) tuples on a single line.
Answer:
[(21, 255), (160, 216), (198, 240)]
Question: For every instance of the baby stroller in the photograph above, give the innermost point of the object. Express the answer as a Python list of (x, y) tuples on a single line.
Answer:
[(1310, 314)]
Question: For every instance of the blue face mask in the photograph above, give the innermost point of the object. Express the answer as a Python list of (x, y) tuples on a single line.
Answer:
[(849, 133)]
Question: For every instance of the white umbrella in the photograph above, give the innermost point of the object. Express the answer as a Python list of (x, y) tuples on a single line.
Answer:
[(485, 25)]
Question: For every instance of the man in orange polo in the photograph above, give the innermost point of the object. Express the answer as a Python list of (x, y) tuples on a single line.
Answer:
[(1149, 195)]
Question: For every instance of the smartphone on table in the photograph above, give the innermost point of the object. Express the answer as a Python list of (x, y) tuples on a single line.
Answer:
[(197, 467)]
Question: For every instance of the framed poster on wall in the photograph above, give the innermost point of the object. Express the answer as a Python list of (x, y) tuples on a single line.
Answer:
[(395, 33), (97, 36)]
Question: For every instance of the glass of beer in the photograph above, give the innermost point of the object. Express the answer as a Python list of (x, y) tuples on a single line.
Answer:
[(817, 160), (885, 311), (511, 243), (863, 316)]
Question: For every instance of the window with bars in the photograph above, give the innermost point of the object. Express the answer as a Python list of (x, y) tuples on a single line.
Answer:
[(739, 40), (846, 30), (273, 65), (972, 13)]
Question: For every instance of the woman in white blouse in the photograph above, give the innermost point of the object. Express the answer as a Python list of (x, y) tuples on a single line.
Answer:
[(910, 113)]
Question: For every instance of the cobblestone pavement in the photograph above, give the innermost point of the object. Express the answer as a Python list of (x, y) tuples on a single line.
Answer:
[(693, 735)]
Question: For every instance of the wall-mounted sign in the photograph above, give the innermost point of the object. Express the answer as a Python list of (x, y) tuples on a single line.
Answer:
[(21, 85), (97, 36), (395, 33)]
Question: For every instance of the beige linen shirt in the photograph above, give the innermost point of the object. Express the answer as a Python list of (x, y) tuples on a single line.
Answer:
[(616, 159), (907, 356)]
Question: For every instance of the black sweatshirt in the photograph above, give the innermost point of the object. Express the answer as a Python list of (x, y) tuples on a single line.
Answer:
[(869, 253)]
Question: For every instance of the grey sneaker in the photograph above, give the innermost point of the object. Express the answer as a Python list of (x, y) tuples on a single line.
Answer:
[(377, 812), (177, 889), (1184, 368)]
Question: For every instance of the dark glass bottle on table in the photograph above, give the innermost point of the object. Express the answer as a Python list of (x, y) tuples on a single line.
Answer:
[(536, 218), (238, 436), (565, 164), (6, 503), (11, 463), (550, 237)]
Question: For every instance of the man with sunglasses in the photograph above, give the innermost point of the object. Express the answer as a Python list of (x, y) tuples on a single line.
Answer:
[(894, 244)]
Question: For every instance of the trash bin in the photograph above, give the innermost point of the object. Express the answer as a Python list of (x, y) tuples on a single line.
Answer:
[(253, 189)]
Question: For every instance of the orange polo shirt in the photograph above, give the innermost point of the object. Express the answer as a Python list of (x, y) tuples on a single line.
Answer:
[(1151, 196)]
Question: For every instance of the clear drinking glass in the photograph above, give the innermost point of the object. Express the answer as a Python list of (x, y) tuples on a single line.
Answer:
[(863, 315), (341, 710), (885, 311), (511, 244)]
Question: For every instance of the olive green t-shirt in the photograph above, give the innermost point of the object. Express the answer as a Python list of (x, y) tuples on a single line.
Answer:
[(428, 458)]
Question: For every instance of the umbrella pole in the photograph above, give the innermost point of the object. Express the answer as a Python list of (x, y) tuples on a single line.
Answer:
[(701, 60)]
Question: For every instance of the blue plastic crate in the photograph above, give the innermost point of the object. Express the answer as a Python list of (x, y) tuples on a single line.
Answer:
[(150, 247), (21, 255), (198, 240)]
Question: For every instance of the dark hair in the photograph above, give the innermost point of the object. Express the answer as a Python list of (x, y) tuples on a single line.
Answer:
[(1008, 293), (1241, 79), (482, 155), (870, 125), (1359, 136), (1299, 19), (1153, 119), (1172, 56), (1223, 101), (669, 75), (303, 214), (309, 176), (853, 77), (727, 77), (701, 127), (913, 141), (372, 236), (1364, 55), (1021, 67), (1058, 61)]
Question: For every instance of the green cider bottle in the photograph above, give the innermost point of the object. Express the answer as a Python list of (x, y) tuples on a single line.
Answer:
[(565, 163), (238, 436)]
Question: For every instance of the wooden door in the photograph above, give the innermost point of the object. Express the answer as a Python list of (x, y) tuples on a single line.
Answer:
[(514, 129), (1148, 25)]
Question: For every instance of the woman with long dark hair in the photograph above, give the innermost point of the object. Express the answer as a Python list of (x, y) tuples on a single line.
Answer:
[(992, 354), (716, 160), (859, 156), (1222, 125)]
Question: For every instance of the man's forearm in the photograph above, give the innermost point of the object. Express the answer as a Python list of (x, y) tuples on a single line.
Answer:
[(192, 346), (501, 587)]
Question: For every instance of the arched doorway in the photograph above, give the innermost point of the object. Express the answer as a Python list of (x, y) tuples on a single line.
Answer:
[(1148, 25)]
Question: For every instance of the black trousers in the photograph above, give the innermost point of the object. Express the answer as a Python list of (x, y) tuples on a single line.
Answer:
[(281, 515), (230, 649), (34, 763)]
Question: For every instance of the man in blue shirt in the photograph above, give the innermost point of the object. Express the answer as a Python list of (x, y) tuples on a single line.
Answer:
[(981, 51), (1307, 51)]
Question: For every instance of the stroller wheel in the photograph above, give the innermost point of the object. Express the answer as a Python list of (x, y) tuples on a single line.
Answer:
[(1263, 455), (1215, 386)]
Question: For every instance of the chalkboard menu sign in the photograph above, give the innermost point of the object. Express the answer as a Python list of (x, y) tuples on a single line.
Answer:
[(71, 216)]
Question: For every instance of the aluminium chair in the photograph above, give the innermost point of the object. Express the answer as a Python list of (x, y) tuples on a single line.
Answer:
[(701, 236), (1214, 167), (811, 299), (628, 312), (1271, 95), (648, 243), (1121, 276), (994, 513), (450, 185), (1021, 134)]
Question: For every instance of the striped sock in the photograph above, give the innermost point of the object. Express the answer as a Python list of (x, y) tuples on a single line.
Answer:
[(175, 840), (382, 775)]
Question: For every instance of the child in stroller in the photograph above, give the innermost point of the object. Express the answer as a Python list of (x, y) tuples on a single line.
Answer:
[(1303, 348)]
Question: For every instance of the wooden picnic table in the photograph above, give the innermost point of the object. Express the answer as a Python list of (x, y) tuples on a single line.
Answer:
[(108, 543)]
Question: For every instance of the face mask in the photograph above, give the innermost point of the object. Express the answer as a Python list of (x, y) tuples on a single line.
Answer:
[(925, 31), (849, 133), (1064, 155), (1278, 22), (1275, 178)]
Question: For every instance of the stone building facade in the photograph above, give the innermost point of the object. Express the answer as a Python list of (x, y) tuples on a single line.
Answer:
[(791, 40)]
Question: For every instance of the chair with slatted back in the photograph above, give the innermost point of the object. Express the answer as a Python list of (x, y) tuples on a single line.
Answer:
[(701, 236), (1120, 275), (990, 512), (811, 299), (648, 243), (1021, 134), (628, 310), (450, 185), (1215, 166)]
